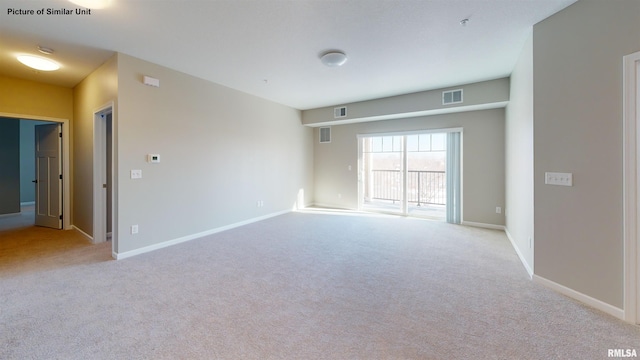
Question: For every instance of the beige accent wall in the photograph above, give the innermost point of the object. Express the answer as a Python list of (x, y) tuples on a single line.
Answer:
[(32, 98), (578, 109), (95, 91), (519, 157), (222, 151), (483, 160)]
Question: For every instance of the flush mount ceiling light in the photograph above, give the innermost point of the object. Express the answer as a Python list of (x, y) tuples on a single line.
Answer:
[(38, 63), (334, 58), (92, 4), (45, 50)]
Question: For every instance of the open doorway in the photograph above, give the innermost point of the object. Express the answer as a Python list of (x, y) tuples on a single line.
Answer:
[(414, 174), (103, 189), (20, 176)]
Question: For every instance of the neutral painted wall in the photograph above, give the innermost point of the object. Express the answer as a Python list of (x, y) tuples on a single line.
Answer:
[(474, 94), (95, 91), (9, 166), (578, 120), (483, 160), (221, 152), (27, 159), (26, 97), (519, 156)]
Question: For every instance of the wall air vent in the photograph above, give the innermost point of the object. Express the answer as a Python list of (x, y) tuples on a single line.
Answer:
[(325, 135), (452, 97), (340, 112)]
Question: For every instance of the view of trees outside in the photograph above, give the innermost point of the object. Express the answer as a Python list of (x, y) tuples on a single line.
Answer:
[(383, 170)]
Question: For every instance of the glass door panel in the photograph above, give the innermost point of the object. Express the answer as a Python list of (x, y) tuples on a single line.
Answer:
[(426, 178), (383, 174)]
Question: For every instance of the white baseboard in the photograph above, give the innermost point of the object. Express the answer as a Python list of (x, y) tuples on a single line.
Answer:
[(483, 225), (588, 300), (146, 249), (517, 249), (27, 203), (329, 206), (89, 237)]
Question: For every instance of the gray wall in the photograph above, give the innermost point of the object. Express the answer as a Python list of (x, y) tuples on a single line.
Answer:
[(27, 159), (483, 160), (221, 152), (519, 157), (578, 104), (492, 93), (9, 166)]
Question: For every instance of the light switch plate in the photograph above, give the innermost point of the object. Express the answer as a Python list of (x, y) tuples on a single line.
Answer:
[(556, 178), (136, 174)]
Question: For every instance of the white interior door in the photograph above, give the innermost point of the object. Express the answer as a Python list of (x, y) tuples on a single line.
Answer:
[(48, 175)]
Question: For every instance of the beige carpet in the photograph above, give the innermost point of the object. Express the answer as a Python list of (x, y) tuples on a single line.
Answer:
[(298, 286)]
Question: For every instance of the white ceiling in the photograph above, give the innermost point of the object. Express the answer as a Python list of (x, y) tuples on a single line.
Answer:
[(271, 48)]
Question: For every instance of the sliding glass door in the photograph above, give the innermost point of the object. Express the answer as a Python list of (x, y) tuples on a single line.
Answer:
[(383, 169), (413, 174)]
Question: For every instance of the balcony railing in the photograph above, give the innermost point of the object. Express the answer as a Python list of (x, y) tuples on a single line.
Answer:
[(423, 187)]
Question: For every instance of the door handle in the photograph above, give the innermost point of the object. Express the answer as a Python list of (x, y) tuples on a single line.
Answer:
[(34, 181)]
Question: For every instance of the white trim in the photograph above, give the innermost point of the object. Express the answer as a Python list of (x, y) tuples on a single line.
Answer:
[(89, 237), (483, 225), (588, 300), (99, 175), (27, 203), (630, 187), (520, 255), (146, 249), (66, 173)]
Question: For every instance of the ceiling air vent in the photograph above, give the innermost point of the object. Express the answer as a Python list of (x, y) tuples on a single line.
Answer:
[(452, 97), (340, 112), (325, 135)]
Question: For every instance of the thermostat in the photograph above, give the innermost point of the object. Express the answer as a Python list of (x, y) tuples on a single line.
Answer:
[(153, 158)]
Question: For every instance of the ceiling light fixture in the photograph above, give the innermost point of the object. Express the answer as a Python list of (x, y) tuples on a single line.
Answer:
[(92, 4), (38, 63), (45, 50), (334, 58)]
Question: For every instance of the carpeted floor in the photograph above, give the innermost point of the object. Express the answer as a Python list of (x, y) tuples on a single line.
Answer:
[(303, 285)]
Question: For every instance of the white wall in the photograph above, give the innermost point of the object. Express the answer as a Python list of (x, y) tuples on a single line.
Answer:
[(519, 157), (578, 120), (221, 152)]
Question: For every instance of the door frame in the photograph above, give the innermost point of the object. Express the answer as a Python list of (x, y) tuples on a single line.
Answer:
[(66, 178), (404, 148), (100, 174), (631, 184)]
